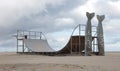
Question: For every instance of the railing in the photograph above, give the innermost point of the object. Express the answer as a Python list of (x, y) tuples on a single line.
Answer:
[(21, 34)]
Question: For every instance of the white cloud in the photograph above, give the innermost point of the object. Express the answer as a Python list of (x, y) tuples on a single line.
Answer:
[(19, 14), (64, 22), (113, 47), (108, 8), (87, 7), (51, 16), (12, 10), (111, 26)]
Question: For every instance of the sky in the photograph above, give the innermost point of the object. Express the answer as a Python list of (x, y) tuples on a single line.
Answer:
[(56, 19)]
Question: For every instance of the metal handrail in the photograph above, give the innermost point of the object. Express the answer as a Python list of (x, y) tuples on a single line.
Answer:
[(22, 33)]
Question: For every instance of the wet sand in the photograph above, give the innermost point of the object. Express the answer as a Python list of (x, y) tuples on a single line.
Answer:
[(17, 62)]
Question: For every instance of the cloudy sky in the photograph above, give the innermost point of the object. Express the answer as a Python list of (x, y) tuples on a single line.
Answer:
[(57, 18)]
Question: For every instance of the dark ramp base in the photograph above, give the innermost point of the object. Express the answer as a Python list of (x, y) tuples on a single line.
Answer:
[(56, 54)]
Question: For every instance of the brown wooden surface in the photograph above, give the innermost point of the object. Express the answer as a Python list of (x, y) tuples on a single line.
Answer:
[(75, 45)]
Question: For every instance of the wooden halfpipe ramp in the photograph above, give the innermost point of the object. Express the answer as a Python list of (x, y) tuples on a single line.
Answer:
[(75, 45)]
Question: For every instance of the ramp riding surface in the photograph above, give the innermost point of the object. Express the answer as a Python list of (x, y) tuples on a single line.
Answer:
[(75, 45)]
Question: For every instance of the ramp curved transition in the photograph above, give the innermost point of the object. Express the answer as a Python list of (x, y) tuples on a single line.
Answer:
[(38, 45)]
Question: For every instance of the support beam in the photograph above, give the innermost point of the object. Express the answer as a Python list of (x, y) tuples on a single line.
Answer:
[(71, 46), (17, 40), (79, 38), (23, 46)]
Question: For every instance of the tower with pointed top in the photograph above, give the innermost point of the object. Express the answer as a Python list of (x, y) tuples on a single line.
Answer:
[(88, 34), (100, 37)]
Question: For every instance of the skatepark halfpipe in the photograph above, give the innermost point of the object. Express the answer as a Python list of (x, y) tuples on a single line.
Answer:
[(91, 42), (40, 45)]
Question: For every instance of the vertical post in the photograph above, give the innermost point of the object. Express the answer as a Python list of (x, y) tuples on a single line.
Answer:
[(79, 38), (93, 45), (17, 40), (40, 35), (85, 50), (23, 45), (71, 46), (35, 35), (29, 34), (96, 45), (23, 41)]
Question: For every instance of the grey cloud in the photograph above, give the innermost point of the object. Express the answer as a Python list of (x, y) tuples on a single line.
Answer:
[(42, 18), (109, 8), (67, 6), (26, 20), (112, 40)]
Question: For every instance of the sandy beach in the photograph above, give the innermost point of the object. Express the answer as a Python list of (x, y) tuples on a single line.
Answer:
[(18, 62)]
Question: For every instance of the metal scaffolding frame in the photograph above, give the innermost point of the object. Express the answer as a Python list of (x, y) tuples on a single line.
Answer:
[(94, 32), (22, 34)]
